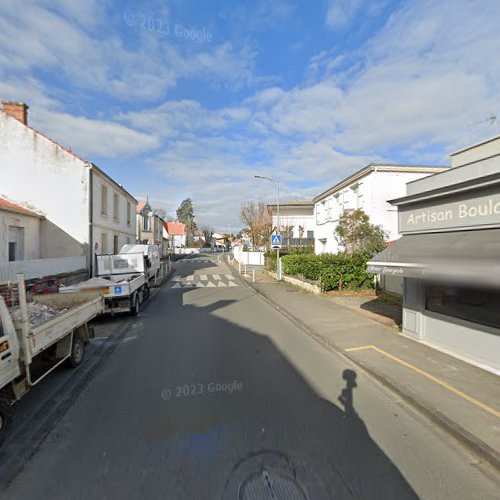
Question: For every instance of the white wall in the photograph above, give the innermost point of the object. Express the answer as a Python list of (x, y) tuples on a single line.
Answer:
[(31, 227), (36, 172)]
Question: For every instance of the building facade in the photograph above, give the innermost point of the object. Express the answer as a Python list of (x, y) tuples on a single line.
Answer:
[(20, 232), (176, 234), (449, 257), (297, 222), (85, 210), (368, 190)]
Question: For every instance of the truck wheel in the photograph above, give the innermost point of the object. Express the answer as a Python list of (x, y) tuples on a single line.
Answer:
[(5, 418), (134, 310), (77, 352), (146, 292)]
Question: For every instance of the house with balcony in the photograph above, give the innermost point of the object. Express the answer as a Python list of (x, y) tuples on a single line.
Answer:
[(367, 189), (296, 222)]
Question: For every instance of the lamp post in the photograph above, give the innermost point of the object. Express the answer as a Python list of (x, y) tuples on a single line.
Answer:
[(276, 182)]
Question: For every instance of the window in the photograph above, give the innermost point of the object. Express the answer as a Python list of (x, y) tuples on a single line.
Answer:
[(115, 244), (128, 241), (128, 213), (310, 234), (145, 223), (104, 243), (16, 243), (116, 207), (471, 304), (104, 200)]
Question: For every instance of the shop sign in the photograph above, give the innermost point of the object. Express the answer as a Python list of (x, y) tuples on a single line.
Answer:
[(464, 213)]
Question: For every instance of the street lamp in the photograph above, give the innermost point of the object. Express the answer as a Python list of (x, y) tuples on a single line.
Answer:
[(276, 182)]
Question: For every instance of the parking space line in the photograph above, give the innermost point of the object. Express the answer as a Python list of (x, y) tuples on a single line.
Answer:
[(452, 389)]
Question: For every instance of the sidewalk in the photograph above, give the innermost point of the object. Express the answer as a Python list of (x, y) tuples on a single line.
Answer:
[(461, 398)]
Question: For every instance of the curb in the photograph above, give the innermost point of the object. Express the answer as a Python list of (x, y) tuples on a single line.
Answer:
[(465, 438)]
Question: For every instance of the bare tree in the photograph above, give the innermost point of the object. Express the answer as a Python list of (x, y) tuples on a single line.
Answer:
[(257, 218), (207, 233)]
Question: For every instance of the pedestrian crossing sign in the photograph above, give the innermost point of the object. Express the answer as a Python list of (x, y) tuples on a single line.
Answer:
[(276, 241)]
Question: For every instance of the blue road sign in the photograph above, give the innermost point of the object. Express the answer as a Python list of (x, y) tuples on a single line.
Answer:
[(276, 240)]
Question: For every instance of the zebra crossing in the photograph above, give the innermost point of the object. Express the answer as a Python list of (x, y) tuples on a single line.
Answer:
[(195, 260), (204, 281)]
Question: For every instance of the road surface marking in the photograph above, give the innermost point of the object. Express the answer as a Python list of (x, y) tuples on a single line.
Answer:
[(216, 277), (190, 278), (461, 394), (221, 283), (203, 277), (210, 284), (176, 278), (177, 285), (200, 284), (232, 283), (229, 276)]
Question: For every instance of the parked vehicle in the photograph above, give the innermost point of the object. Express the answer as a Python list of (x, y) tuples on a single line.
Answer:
[(122, 281), (37, 336), (151, 258)]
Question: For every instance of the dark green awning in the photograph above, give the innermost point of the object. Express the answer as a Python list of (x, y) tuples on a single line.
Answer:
[(472, 256)]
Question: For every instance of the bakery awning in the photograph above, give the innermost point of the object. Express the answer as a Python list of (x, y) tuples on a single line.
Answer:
[(472, 256)]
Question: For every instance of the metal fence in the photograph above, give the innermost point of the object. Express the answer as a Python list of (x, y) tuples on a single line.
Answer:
[(297, 242)]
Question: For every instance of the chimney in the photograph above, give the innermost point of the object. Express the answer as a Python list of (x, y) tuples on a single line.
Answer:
[(18, 110)]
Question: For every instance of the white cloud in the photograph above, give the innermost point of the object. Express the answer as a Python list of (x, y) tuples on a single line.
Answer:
[(341, 12), (95, 137), (84, 48)]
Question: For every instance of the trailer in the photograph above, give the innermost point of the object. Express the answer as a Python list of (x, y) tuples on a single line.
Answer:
[(121, 280), (37, 335)]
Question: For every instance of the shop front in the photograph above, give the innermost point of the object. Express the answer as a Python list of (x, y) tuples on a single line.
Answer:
[(449, 259)]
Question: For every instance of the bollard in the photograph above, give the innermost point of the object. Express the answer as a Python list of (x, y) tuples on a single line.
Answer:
[(239, 267), (253, 278), (245, 271)]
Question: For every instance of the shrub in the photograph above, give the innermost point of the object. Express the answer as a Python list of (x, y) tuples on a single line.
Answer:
[(334, 271), (306, 265), (270, 256)]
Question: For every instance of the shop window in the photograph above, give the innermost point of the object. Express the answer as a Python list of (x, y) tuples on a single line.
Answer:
[(477, 305)]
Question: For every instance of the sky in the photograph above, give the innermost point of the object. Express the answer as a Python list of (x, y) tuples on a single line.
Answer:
[(187, 98)]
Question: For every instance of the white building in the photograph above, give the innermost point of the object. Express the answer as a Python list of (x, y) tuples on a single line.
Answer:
[(297, 222), (176, 234), (368, 190), (86, 212)]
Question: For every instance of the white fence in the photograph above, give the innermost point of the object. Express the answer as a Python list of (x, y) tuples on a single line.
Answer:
[(185, 251), (41, 268), (248, 258)]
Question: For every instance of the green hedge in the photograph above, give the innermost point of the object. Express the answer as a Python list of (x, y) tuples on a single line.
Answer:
[(334, 272), (270, 256)]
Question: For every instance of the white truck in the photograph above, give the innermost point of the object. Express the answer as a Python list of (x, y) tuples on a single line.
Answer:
[(151, 258), (37, 336), (120, 279)]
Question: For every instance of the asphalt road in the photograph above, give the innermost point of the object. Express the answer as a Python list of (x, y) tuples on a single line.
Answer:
[(213, 394)]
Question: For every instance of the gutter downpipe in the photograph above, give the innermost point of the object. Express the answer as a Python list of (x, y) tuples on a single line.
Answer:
[(91, 220)]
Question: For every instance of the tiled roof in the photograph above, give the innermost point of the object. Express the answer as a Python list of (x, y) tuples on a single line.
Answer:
[(174, 228), (12, 207), (140, 206)]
